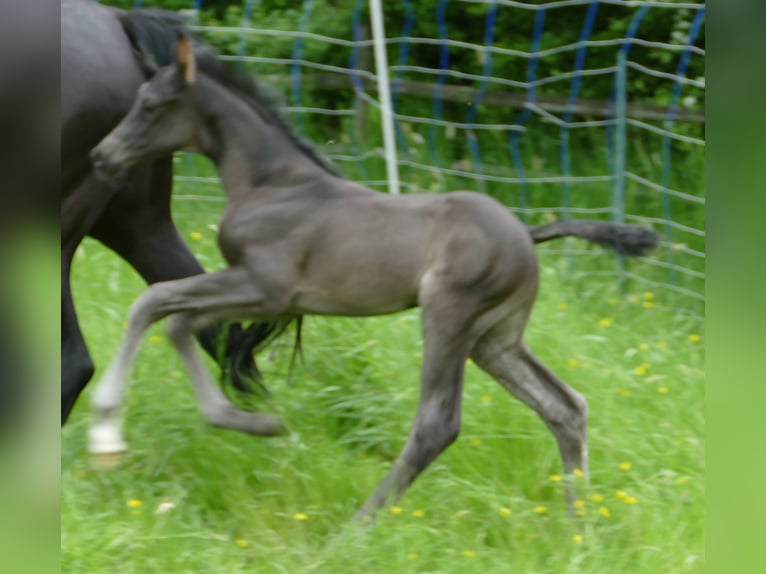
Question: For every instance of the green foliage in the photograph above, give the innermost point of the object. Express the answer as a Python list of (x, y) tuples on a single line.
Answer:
[(465, 22)]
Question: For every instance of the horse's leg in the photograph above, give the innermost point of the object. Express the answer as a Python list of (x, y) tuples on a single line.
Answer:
[(224, 292), (76, 364), (501, 353), (446, 340), (81, 207), (139, 227)]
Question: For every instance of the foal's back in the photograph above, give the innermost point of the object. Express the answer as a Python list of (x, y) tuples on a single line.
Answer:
[(358, 252)]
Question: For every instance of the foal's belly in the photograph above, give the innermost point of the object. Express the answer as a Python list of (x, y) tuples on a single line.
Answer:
[(361, 276)]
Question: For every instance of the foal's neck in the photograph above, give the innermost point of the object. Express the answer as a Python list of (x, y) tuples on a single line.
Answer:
[(252, 152)]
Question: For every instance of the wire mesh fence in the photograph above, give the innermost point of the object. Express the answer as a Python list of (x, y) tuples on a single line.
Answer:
[(563, 109)]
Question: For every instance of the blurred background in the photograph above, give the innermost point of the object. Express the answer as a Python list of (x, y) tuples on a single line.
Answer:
[(572, 109)]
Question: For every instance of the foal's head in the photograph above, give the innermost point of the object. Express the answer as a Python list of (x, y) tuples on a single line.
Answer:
[(160, 122)]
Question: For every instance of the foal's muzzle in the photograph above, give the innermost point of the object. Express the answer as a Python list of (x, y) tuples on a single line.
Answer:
[(106, 160)]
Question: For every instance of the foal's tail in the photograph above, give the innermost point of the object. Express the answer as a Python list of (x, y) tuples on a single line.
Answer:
[(625, 239)]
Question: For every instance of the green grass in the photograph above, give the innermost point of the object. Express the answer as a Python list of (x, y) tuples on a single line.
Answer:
[(350, 407)]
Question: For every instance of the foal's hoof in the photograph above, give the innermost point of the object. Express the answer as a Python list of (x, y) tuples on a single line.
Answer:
[(269, 425), (258, 424), (106, 445)]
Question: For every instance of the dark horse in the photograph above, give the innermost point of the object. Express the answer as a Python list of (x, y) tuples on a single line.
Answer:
[(104, 55), (300, 239)]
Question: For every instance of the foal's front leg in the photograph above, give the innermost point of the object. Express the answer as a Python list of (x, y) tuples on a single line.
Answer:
[(214, 294), (213, 404)]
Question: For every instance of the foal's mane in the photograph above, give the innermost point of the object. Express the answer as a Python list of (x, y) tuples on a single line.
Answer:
[(262, 98), (153, 35)]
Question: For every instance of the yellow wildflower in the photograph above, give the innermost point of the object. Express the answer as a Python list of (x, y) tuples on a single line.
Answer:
[(396, 510), (242, 543), (302, 516), (505, 511), (660, 344), (81, 474), (419, 513), (633, 298), (581, 512), (604, 511), (626, 393), (413, 555), (555, 478), (469, 553), (563, 306), (620, 495), (595, 498), (577, 538), (663, 390), (605, 322), (155, 339), (694, 338), (573, 363), (630, 499), (578, 473), (475, 442), (578, 503), (486, 399), (624, 466), (613, 300), (135, 503), (640, 370), (648, 295), (644, 346), (540, 509), (195, 235), (647, 304)]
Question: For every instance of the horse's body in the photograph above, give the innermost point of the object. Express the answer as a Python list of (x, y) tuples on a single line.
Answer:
[(101, 68), (344, 250)]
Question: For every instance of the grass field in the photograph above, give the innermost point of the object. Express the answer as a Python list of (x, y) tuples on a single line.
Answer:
[(189, 498)]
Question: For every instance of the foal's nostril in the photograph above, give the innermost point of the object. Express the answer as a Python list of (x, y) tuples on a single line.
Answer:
[(97, 158), (101, 165)]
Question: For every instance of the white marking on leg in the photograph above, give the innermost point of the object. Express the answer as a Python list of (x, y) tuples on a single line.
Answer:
[(105, 435)]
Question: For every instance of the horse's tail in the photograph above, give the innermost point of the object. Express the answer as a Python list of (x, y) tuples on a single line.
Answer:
[(154, 35), (630, 240)]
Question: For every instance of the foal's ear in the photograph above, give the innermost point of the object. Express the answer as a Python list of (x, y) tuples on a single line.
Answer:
[(186, 62)]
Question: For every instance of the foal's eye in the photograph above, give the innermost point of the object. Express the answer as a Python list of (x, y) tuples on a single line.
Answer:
[(149, 109)]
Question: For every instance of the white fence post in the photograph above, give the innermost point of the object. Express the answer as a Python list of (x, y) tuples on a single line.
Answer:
[(384, 95)]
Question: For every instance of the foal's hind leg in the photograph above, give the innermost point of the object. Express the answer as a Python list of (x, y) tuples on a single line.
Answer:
[(446, 340), (219, 292), (502, 354)]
